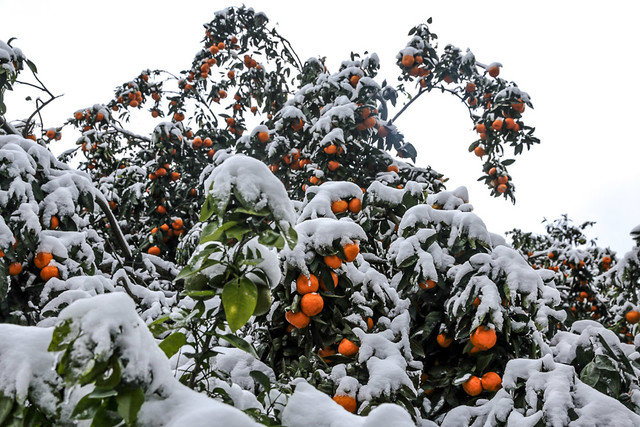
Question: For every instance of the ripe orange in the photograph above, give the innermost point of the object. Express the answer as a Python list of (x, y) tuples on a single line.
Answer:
[(133, 103), (154, 250), (177, 224), (497, 124), (330, 149), (332, 261), (369, 323), (430, 284), (326, 352), (443, 341), (355, 205), (54, 222), (348, 403), (214, 49), (333, 165), (207, 142), (311, 304), (299, 319), (78, 115), (477, 301), (491, 382), (51, 134), (263, 137), (339, 206), (448, 79), (42, 259), (175, 176), (473, 386), (470, 87), (480, 128), (296, 126), (369, 122), (392, 168), (632, 316), (354, 80), (231, 74), (518, 106), (221, 45), (314, 180), (408, 60), (161, 210), (351, 251), (484, 338), (99, 117), (15, 268), (347, 348), (383, 132), (494, 71), (510, 123), (48, 272), (479, 151), (161, 172), (503, 179), (492, 171), (306, 285), (197, 142), (502, 188)]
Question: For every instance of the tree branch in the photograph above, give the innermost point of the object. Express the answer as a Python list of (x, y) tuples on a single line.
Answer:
[(25, 130)]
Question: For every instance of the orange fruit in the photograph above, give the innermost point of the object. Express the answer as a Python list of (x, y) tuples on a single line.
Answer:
[(42, 259), (326, 352), (383, 132), (355, 205), (348, 403), (494, 71), (296, 126), (334, 277), (347, 348), (161, 172), (175, 176), (503, 179), (497, 124), (263, 137), (339, 206), (15, 268), (443, 341), (408, 60), (480, 128), (311, 304), (502, 188), (430, 284), (392, 168), (154, 250), (333, 165), (177, 224), (351, 251), (54, 222), (48, 272), (330, 149), (479, 151), (473, 386), (369, 122), (161, 210), (332, 261), (632, 316), (299, 319), (484, 338), (306, 285), (492, 171), (354, 80), (99, 117), (164, 227), (510, 123), (477, 301), (369, 323), (518, 106), (51, 134), (491, 382), (470, 87)]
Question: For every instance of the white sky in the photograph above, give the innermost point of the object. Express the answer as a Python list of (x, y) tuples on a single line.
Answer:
[(577, 59)]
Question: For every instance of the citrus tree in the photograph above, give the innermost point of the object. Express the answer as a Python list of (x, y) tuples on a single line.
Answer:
[(267, 258)]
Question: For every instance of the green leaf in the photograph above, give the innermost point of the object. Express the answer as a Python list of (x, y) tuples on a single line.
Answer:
[(59, 337), (6, 405), (216, 235), (129, 403), (238, 342), (86, 408), (171, 344), (208, 209), (200, 294), (239, 298), (261, 379)]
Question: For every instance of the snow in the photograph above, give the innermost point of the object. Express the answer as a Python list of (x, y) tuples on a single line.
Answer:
[(321, 197), (254, 183), (308, 407)]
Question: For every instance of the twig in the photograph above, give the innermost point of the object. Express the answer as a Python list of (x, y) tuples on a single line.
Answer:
[(290, 49), (115, 227), (25, 130), (411, 101)]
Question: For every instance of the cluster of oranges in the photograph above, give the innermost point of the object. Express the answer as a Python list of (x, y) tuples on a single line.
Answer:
[(367, 118), (88, 117), (206, 143), (342, 206), (176, 229), (414, 66), (233, 126), (164, 171), (498, 181), (133, 98), (490, 382), (51, 134)]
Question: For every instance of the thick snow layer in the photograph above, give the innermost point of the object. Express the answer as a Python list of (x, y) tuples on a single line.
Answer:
[(251, 180), (308, 407), (324, 195), (551, 390)]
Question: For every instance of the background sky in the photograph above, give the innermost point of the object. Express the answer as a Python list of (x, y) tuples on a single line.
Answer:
[(577, 59)]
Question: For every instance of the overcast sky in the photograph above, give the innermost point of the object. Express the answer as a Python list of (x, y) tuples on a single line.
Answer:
[(577, 59)]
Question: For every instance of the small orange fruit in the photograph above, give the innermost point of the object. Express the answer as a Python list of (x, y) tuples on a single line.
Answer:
[(497, 124), (311, 304), (408, 60), (48, 272), (347, 402), (263, 137), (347, 348), (154, 250), (479, 151), (392, 168), (332, 261), (355, 205), (484, 338), (299, 319), (443, 341), (473, 386), (632, 316), (491, 382), (331, 149), (339, 206), (494, 71), (15, 268), (351, 251), (42, 259), (306, 285), (54, 222)]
